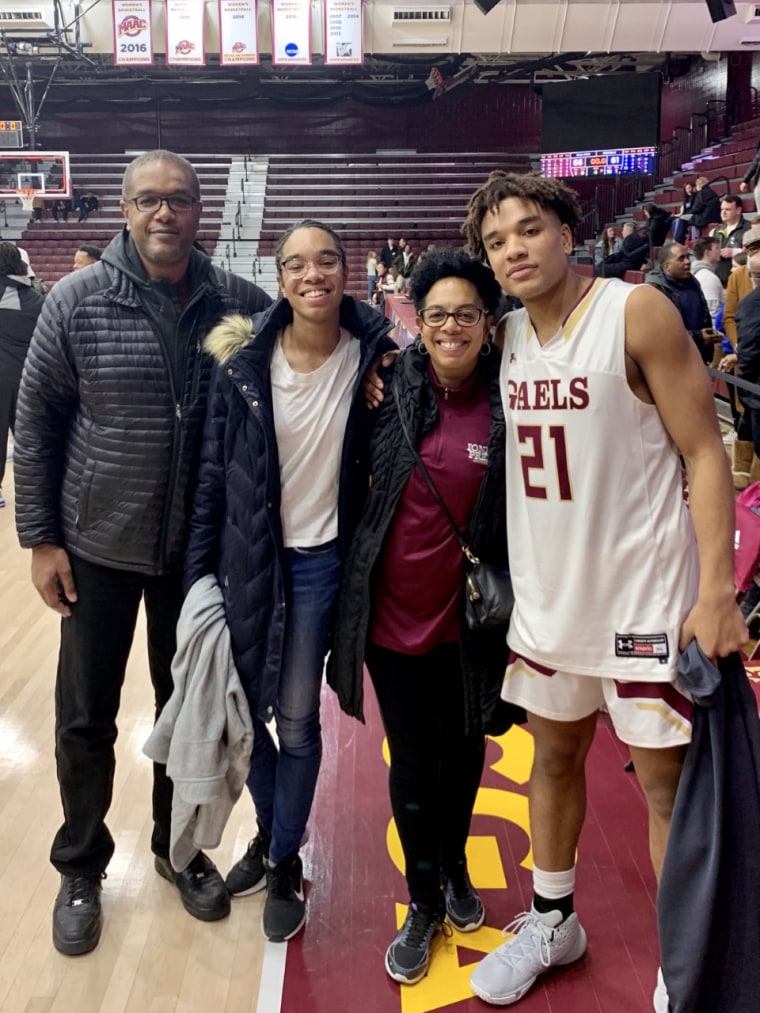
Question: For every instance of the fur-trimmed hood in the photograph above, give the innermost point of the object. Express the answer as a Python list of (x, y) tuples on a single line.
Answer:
[(235, 332), (228, 337)]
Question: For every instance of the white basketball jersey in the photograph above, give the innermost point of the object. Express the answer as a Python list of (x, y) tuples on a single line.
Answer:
[(601, 546)]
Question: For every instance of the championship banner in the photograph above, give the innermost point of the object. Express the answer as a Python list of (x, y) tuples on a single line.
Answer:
[(184, 33), (291, 32), (132, 33), (344, 31), (238, 35)]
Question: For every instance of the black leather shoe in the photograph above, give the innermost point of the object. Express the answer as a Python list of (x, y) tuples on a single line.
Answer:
[(201, 888), (77, 915)]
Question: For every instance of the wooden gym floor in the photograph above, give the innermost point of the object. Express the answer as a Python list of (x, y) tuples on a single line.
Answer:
[(154, 958)]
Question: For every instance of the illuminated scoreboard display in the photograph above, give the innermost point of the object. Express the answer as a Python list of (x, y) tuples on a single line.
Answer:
[(607, 162)]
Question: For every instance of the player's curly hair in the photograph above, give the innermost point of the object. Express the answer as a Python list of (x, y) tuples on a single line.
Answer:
[(550, 194)]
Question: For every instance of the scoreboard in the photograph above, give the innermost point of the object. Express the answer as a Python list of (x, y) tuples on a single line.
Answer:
[(605, 162), (11, 134)]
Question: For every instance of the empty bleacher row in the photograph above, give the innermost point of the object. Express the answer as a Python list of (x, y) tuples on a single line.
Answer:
[(368, 198), (51, 245)]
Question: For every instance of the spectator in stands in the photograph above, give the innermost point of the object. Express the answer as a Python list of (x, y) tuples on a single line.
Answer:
[(37, 283), (752, 178), (437, 683), (729, 233), (706, 251), (405, 265), (38, 208), (60, 208), (389, 252), (87, 204), (607, 244), (658, 221), (85, 256), (108, 432), (20, 306), (371, 273), (633, 253), (682, 228), (282, 479), (706, 207), (672, 276), (740, 284), (748, 348)]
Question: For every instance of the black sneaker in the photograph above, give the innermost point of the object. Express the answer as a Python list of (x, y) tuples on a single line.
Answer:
[(464, 908), (408, 956), (77, 915), (285, 907), (201, 888), (249, 874)]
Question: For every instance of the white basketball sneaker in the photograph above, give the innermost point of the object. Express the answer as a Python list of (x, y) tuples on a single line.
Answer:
[(539, 943)]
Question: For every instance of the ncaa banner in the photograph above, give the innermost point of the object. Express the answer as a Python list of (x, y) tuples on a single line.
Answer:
[(132, 34), (344, 33), (291, 32), (184, 33), (238, 35)]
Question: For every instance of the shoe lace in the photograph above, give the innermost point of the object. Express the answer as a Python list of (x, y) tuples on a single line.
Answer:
[(460, 884), (199, 867), (527, 930), (82, 889), (420, 923)]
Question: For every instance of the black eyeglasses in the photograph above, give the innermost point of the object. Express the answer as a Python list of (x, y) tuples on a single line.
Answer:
[(465, 316), (151, 202)]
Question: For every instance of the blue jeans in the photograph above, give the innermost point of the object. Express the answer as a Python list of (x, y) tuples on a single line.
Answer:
[(282, 781)]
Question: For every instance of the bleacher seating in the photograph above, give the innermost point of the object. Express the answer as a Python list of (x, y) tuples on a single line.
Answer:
[(51, 245), (367, 198)]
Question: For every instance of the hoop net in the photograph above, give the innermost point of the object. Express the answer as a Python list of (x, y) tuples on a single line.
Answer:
[(26, 196)]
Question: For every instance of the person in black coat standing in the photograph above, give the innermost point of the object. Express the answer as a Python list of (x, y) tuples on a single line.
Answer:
[(400, 607), (20, 306), (109, 422)]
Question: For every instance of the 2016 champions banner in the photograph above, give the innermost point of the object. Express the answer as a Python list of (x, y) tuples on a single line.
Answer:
[(238, 33), (132, 34), (291, 32), (184, 33)]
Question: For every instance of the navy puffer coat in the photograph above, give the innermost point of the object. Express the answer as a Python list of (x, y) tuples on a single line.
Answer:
[(483, 653), (235, 530)]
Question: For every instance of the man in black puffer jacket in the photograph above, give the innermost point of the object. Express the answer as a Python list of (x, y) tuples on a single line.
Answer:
[(109, 424)]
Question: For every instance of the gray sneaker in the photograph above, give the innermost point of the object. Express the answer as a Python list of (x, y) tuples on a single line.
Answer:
[(538, 944), (408, 956), (464, 908)]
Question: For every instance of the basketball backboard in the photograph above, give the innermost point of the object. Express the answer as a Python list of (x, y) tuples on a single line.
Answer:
[(48, 172)]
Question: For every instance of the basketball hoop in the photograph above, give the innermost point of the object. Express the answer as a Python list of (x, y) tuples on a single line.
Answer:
[(26, 196)]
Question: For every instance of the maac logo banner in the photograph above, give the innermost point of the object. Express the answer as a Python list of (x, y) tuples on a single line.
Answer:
[(238, 37), (343, 31), (291, 32), (132, 36), (184, 33)]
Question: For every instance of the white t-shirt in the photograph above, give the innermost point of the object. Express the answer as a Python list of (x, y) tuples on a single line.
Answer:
[(310, 416)]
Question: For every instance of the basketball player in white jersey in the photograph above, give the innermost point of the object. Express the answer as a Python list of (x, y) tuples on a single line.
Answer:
[(612, 573)]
